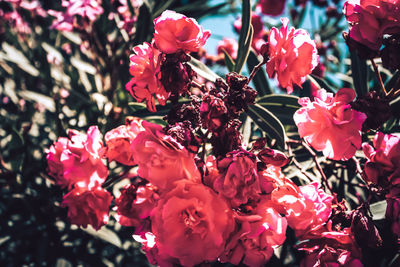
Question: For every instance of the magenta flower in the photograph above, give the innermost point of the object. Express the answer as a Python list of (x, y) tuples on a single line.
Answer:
[(78, 160), (175, 32), (293, 55), (329, 124), (145, 69), (370, 19), (88, 207)]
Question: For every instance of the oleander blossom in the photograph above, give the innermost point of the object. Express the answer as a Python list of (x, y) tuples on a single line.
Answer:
[(330, 246), (191, 223), (145, 69), (383, 165), (293, 55), (135, 204), (88, 207), (304, 207), (78, 160), (238, 180), (161, 159), (119, 141), (371, 19), (329, 124), (175, 32), (272, 7), (86, 9), (230, 45), (259, 233)]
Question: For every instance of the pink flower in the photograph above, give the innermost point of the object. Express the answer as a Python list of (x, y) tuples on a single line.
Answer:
[(119, 141), (370, 19), (229, 45), (293, 55), (258, 235), (78, 161), (161, 159), (136, 204), (86, 9), (328, 247), (272, 7), (321, 202), (329, 257), (305, 207), (88, 207), (329, 124), (191, 223), (145, 69), (383, 165), (175, 32), (238, 180)]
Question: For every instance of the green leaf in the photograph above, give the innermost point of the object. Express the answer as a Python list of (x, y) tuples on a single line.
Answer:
[(143, 25), (282, 106), (230, 64), (203, 70), (378, 210), (260, 79), (162, 8), (245, 37), (359, 73), (269, 123), (395, 106), (321, 83), (392, 81), (15, 148)]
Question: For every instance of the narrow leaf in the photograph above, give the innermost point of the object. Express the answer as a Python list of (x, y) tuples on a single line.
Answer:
[(244, 33), (359, 73), (321, 83), (282, 106), (230, 64), (378, 210), (245, 52), (203, 70), (269, 123), (392, 81)]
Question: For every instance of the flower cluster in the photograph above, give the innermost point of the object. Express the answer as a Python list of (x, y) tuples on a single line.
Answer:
[(329, 124), (86, 11), (195, 192)]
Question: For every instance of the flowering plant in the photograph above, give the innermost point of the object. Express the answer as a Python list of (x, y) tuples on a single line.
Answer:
[(215, 166)]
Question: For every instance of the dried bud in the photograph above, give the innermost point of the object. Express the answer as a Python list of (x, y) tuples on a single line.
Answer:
[(273, 157), (183, 133), (239, 95), (332, 12), (376, 107), (185, 112), (264, 51), (259, 144), (213, 112), (362, 50), (227, 140), (176, 75), (364, 229), (390, 54)]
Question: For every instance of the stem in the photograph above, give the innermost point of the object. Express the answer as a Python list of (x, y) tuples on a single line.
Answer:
[(298, 165), (378, 75), (254, 71), (358, 166), (314, 155), (112, 180)]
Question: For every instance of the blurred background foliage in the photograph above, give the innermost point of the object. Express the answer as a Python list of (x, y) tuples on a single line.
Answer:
[(51, 81)]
